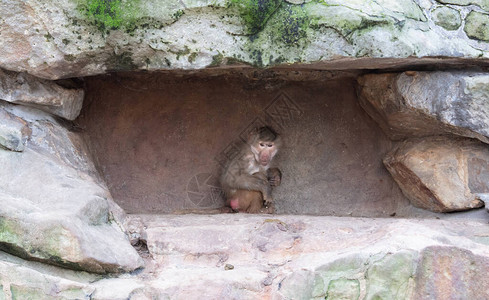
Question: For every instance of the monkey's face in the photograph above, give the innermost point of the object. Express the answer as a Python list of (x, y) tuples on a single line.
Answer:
[(264, 151)]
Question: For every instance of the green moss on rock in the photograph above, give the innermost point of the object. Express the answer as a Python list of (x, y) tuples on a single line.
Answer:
[(283, 39), (121, 62), (255, 13), (295, 22), (217, 60), (109, 14), (192, 57)]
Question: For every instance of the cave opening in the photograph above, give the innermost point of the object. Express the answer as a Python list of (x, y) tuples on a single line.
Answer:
[(160, 140)]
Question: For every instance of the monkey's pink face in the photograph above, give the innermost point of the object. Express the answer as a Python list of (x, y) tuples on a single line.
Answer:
[(264, 152)]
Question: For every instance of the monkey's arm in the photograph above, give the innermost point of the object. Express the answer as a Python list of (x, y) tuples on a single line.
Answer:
[(235, 178), (255, 182), (274, 177)]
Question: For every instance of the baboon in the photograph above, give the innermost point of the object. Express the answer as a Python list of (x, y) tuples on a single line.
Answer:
[(247, 181)]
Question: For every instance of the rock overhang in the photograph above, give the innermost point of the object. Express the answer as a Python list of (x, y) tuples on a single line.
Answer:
[(83, 38)]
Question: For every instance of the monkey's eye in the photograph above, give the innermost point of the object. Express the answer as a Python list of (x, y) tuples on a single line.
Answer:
[(270, 145), (262, 145)]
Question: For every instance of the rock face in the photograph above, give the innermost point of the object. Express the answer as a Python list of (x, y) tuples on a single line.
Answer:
[(441, 174), (54, 208), (28, 90), (414, 104), (57, 39), (284, 257), (297, 257)]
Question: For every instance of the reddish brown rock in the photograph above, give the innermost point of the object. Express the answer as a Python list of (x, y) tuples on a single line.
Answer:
[(451, 273), (441, 174)]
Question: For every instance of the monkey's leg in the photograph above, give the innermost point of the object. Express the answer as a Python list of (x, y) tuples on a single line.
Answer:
[(256, 182), (256, 202)]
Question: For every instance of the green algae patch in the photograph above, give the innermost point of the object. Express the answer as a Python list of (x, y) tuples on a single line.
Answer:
[(127, 15), (283, 39), (255, 13), (109, 14)]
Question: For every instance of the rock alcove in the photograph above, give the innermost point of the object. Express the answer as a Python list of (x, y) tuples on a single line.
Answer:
[(116, 116), (160, 140)]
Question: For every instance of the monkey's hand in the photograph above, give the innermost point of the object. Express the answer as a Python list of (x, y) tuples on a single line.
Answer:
[(274, 181), (274, 177)]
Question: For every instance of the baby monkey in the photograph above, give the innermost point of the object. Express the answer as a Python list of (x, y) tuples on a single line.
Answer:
[(248, 179)]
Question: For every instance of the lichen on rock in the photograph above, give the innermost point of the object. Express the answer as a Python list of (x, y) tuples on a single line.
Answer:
[(447, 18), (477, 26)]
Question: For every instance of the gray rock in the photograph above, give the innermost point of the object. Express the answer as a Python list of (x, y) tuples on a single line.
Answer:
[(447, 17), (484, 4), (46, 95), (427, 103), (440, 174), (60, 39), (54, 207), (14, 132), (24, 280), (332, 258)]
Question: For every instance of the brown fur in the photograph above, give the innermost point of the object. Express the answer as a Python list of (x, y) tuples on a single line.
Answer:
[(245, 180)]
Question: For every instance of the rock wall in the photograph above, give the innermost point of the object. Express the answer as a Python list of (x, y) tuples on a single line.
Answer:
[(59, 39), (60, 229), (55, 208)]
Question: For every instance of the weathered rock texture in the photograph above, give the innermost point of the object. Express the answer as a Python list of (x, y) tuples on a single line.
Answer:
[(284, 257), (441, 174), (414, 104), (46, 95), (55, 39), (54, 208)]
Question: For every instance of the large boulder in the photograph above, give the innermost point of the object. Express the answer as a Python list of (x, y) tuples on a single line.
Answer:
[(416, 104), (55, 208), (56, 39), (441, 174)]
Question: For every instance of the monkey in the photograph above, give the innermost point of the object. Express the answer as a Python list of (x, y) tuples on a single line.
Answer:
[(244, 200), (247, 181)]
